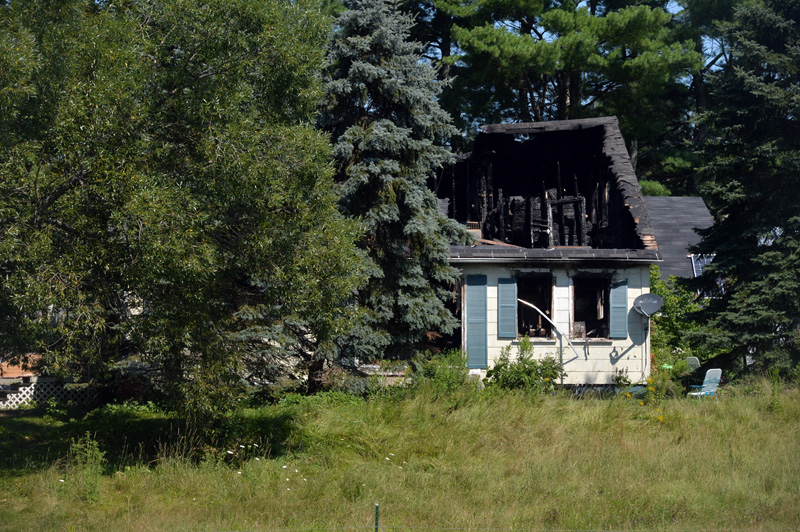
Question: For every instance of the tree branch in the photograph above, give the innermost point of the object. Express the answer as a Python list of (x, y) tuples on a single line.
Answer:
[(47, 201)]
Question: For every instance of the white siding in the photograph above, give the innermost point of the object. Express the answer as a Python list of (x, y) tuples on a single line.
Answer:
[(592, 361)]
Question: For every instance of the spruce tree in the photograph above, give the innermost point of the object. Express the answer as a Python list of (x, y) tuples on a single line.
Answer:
[(753, 149), (387, 129)]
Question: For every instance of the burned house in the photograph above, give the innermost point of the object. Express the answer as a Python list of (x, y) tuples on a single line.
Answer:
[(563, 247)]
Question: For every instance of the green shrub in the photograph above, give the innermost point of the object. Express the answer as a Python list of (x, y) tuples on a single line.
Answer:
[(269, 394), (86, 462), (524, 372), (54, 409), (131, 408), (442, 373), (621, 381), (341, 379)]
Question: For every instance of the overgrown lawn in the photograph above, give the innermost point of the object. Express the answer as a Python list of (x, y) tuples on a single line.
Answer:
[(462, 460)]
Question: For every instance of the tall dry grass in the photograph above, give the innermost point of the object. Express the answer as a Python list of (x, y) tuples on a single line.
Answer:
[(460, 461)]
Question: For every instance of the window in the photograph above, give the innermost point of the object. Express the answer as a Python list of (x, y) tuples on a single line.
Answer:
[(515, 315), (699, 262), (600, 308), (538, 291)]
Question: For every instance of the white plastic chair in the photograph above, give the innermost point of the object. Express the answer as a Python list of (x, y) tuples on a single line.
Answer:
[(693, 363), (709, 386)]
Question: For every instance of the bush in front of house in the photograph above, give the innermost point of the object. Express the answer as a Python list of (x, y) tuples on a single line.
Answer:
[(524, 372), (441, 374)]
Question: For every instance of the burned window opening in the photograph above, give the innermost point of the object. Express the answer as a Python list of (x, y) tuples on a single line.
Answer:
[(590, 307), (536, 289)]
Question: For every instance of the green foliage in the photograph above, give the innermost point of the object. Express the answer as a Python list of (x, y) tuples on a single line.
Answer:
[(54, 409), (661, 385), (621, 381), (342, 379), (442, 374), (126, 409), (274, 392), (387, 127), (554, 61), (675, 328), (85, 468), (164, 195), (776, 385), (523, 372), (653, 188), (752, 175)]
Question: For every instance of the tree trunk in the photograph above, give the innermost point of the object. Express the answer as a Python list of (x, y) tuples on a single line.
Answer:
[(575, 95), (316, 370)]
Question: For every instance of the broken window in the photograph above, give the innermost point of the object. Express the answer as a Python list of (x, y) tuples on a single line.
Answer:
[(590, 297), (600, 308), (536, 290)]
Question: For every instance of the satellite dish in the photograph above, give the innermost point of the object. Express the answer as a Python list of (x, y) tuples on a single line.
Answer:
[(648, 304)]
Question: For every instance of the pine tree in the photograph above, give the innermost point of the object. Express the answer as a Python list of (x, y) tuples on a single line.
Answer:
[(387, 128), (753, 149)]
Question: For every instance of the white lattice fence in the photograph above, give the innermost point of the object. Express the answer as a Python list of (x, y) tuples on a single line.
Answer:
[(41, 389)]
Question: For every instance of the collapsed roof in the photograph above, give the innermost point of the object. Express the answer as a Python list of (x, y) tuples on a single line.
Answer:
[(550, 190)]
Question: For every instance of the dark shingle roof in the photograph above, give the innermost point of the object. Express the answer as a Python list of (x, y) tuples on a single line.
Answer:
[(674, 219)]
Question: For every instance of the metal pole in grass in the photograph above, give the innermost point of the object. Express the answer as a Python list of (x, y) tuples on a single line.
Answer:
[(376, 516)]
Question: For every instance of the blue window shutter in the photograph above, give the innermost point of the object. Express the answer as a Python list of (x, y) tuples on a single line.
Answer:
[(618, 303), (507, 308), (477, 342)]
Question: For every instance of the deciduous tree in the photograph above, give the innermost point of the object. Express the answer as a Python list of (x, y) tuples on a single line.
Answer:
[(164, 195)]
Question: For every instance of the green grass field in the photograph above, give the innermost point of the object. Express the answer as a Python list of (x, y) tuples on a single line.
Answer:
[(463, 461)]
